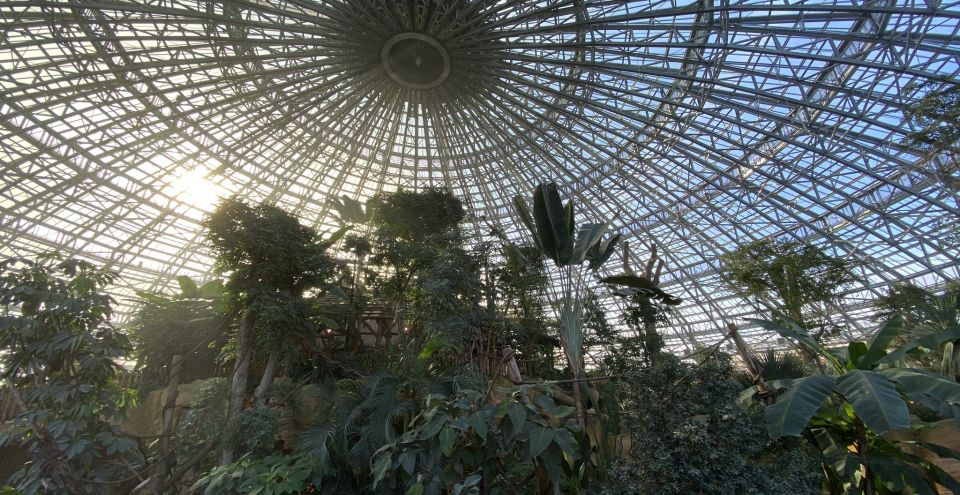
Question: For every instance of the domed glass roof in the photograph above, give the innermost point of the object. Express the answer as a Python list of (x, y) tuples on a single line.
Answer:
[(696, 125)]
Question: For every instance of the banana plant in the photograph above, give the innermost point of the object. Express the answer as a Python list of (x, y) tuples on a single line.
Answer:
[(852, 411), (552, 228), (349, 211), (642, 286)]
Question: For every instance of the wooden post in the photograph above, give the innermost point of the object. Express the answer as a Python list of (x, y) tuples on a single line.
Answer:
[(513, 370)]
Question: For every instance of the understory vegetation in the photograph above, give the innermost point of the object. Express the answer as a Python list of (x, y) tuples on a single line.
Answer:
[(398, 355)]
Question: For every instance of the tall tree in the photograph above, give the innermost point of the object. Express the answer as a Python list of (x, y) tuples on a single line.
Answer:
[(435, 282), (270, 259), (800, 279)]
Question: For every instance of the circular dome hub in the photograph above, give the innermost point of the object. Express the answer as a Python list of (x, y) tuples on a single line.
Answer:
[(415, 60)]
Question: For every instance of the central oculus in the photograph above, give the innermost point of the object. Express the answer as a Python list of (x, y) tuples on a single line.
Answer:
[(415, 60)]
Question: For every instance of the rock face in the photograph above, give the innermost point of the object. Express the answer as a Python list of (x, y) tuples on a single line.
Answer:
[(303, 410), (146, 419)]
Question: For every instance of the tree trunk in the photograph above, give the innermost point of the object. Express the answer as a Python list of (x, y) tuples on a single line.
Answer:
[(238, 385), (260, 395), (170, 402)]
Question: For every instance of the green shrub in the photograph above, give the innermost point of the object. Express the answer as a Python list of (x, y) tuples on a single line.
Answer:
[(688, 437), (461, 445), (270, 475)]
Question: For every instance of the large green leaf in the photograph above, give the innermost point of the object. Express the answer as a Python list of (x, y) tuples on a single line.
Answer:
[(941, 451), (540, 439), (641, 286), (602, 251), (899, 475), (793, 410), (550, 217), (587, 239), (875, 399), (447, 437), (527, 218), (877, 348), (931, 471), (932, 341), (914, 381), (565, 248)]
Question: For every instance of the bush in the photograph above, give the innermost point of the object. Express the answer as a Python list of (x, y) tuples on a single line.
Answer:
[(689, 438)]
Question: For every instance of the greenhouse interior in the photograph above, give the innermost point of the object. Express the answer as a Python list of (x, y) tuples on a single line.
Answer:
[(424, 247)]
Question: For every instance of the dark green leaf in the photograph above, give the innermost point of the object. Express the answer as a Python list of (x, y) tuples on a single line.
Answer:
[(523, 211), (932, 341), (540, 439), (880, 341), (518, 416), (604, 250), (923, 382), (875, 399), (587, 239), (447, 438), (793, 410)]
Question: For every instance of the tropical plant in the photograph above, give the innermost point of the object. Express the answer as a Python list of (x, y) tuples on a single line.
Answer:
[(433, 280), (853, 412), (461, 445), (191, 324), (271, 260), (774, 365), (274, 474), (59, 358), (800, 280), (551, 225), (925, 313), (361, 416)]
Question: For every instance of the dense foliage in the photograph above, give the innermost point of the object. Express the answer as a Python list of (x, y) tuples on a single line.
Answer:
[(59, 356), (800, 281), (473, 385), (687, 437), (462, 444), (191, 324), (852, 410)]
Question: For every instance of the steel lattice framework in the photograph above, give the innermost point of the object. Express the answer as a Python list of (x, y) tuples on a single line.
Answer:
[(698, 125)]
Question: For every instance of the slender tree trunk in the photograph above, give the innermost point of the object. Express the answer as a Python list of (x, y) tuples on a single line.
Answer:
[(170, 403), (266, 381), (238, 385), (650, 329)]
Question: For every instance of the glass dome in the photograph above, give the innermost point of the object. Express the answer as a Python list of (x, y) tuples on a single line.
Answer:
[(697, 125)]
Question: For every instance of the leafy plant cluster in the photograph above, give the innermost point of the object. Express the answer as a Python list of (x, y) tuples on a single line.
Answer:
[(686, 436), (852, 410), (59, 357), (422, 415), (461, 444)]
